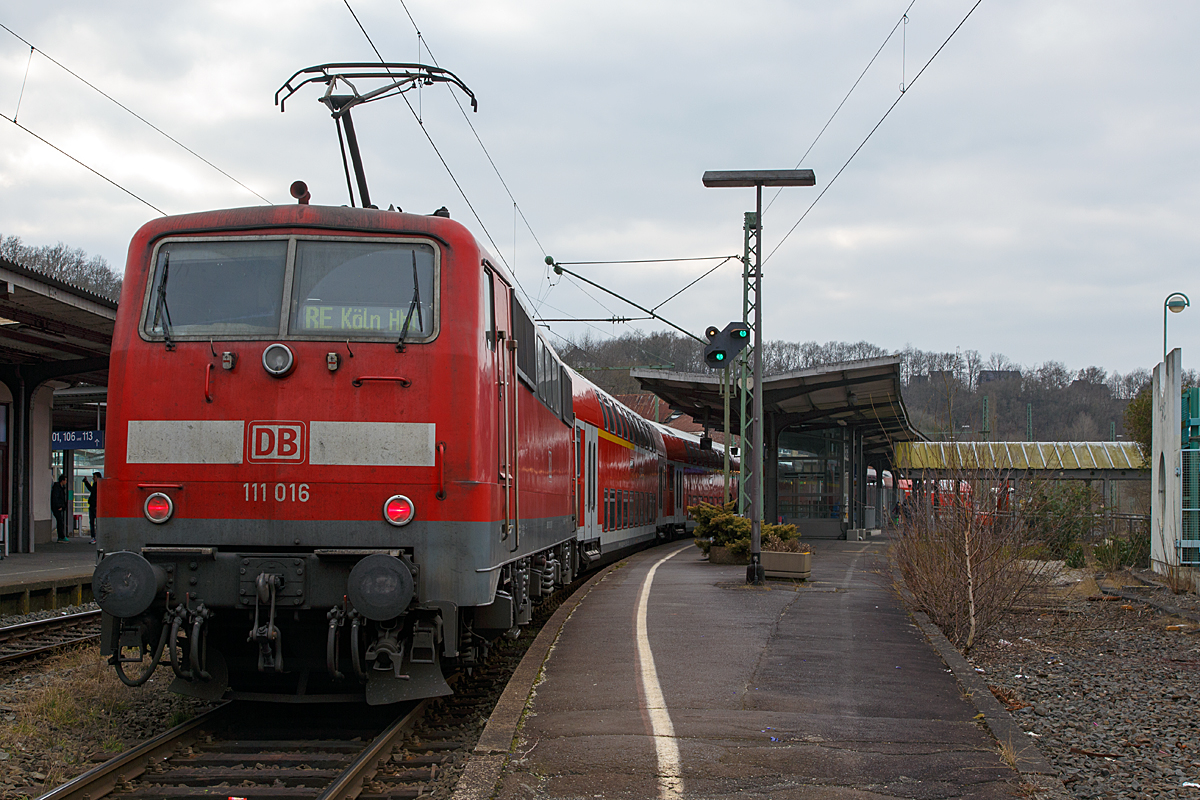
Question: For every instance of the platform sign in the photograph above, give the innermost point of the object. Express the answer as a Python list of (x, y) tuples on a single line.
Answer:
[(77, 440)]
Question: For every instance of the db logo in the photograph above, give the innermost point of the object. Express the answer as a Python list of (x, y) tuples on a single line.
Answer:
[(275, 441)]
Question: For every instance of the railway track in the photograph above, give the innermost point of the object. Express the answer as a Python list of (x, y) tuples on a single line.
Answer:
[(301, 752), (47, 635), (327, 752), (251, 750)]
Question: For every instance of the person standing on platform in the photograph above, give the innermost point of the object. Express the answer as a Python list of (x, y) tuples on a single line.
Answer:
[(58, 506), (91, 490)]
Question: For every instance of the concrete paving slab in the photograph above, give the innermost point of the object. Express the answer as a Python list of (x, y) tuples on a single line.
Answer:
[(51, 561), (789, 691)]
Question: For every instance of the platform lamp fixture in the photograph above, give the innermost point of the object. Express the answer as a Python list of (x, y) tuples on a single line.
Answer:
[(758, 179), (1175, 302)]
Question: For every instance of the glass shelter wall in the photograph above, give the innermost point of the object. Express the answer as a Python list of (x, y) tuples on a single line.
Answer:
[(811, 475)]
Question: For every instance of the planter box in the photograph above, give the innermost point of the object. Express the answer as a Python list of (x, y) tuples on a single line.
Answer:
[(721, 555), (797, 566)]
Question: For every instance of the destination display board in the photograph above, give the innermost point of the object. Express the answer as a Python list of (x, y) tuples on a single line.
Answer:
[(339, 318)]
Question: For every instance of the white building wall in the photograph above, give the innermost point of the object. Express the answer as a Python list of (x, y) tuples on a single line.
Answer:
[(1166, 506), (41, 472)]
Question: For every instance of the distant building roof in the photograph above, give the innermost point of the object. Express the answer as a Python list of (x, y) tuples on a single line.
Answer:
[(1020, 456)]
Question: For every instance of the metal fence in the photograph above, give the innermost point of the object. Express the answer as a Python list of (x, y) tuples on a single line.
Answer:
[(1189, 533)]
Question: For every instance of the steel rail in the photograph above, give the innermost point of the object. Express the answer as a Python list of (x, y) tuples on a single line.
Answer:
[(12, 634), (101, 780), (348, 785)]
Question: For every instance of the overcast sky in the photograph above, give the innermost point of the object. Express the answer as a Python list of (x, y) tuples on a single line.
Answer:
[(1034, 193)]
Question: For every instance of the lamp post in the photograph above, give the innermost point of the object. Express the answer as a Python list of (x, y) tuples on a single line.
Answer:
[(758, 179), (1175, 302)]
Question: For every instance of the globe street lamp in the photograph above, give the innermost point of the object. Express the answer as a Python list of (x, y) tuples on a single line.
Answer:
[(1175, 302)]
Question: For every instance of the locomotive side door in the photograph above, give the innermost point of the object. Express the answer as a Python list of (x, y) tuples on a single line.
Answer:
[(497, 302)]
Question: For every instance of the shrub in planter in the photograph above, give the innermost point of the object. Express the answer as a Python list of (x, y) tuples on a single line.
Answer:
[(719, 525), (777, 542)]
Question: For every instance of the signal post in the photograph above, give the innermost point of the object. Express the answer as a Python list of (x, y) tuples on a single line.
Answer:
[(758, 179)]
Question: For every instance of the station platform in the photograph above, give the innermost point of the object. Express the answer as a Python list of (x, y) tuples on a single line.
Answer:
[(672, 677), (56, 576)]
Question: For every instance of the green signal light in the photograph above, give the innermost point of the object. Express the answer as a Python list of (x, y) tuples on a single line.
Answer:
[(718, 356), (742, 333)]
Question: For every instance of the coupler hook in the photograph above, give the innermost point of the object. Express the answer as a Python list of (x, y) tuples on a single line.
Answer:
[(270, 656), (337, 618)]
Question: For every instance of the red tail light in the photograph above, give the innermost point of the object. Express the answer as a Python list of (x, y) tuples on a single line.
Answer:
[(399, 510), (159, 508)]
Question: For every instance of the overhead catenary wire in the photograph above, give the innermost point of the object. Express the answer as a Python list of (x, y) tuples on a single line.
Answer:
[(656, 356), (107, 96), (517, 206), (723, 260), (903, 20), (499, 253), (95, 172), (866, 139), (24, 81), (647, 260)]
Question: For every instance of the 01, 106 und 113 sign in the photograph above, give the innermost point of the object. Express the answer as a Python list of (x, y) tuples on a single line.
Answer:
[(77, 440)]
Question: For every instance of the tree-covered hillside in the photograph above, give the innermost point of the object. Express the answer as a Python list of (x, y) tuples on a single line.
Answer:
[(943, 391)]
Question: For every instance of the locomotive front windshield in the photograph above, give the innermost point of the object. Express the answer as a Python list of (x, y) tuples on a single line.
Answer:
[(329, 288), (363, 289), (217, 288)]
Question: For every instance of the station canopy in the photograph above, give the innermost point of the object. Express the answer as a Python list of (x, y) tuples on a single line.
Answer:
[(44, 320), (864, 395), (50, 329)]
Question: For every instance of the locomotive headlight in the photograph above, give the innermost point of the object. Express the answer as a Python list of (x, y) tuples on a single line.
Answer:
[(158, 508), (399, 510), (278, 360)]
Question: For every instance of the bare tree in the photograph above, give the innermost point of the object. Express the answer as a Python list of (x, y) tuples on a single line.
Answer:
[(68, 264)]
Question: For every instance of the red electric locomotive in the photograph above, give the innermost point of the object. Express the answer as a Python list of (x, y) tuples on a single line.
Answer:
[(341, 456)]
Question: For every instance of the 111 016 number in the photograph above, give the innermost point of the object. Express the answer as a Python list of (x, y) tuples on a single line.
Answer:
[(281, 492)]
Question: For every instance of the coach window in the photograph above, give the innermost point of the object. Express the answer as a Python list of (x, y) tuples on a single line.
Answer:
[(216, 289), (489, 308), (364, 289), (541, 370), (555, 384)]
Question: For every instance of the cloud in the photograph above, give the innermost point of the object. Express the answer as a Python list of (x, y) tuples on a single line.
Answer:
[(1033, 193)]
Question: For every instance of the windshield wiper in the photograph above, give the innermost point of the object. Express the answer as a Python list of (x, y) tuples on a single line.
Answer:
[(415, 305), (161, 312)]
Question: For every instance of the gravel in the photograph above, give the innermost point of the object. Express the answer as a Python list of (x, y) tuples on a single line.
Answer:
[(1106, 690), (60, 716), (16, 619)]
